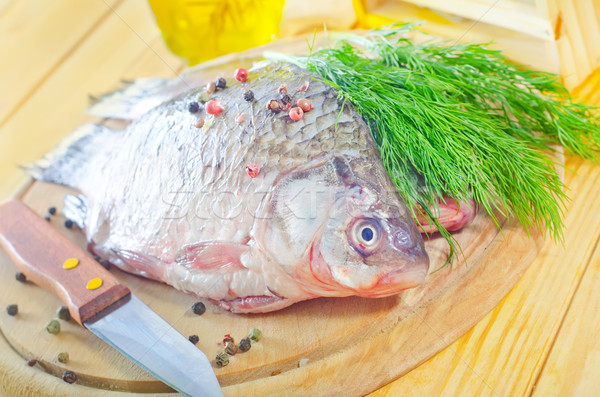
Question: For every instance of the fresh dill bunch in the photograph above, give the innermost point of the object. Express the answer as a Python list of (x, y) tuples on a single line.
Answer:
[(459, 120)]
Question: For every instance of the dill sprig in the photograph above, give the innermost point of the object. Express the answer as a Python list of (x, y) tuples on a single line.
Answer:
[(459, 120)]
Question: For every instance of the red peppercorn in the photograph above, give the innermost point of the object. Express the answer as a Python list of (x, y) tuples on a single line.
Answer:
[(241, 74), (214, 107), (296, 113), (283, 89), (304, 104), (253, 170)]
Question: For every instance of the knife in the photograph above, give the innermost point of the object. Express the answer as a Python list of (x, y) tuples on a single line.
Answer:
[(110, 310)]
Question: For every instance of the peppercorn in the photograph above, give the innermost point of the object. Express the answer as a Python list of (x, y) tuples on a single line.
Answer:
[(296, 113), (204, 96), (275, 106), (255, 334), (285, 98), (222, 359), (240, 118), (53, 326), (228, 339), (210, 88), (199, 123), (194, 339), (241, 74), (69, 377), (32, 362), (63, 357), (214, 107), (52, 210), (252, 170), (283, 89), (304, 104), (221, 83), (20, 277), (68, 223), (249, 96), (194, 107), (12, 310), (245, 345), (63, 313), (231, 348), (47, 218), (198, 308)]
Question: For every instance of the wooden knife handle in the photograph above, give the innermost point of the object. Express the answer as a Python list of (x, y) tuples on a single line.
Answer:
[(39, 251)]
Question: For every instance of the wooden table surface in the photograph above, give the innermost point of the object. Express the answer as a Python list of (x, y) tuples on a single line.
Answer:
[(541, 340)]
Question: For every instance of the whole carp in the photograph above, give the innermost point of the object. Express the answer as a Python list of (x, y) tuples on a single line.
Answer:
[(170, 198)]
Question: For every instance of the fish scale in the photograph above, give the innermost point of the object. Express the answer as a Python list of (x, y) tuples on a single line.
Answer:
[(171, 201)]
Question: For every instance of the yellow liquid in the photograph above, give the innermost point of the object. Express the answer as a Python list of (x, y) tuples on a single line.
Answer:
[(199, 30)]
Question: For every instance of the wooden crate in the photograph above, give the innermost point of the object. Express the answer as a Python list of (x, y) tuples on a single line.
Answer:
[(547, 35)]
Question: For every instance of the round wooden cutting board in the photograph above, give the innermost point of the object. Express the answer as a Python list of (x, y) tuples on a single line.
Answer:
[(348, 346)]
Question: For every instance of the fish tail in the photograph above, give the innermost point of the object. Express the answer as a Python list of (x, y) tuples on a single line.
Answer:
[(71, 158)]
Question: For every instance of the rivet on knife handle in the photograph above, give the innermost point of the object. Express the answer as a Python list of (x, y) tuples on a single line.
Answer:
[(40, 252)]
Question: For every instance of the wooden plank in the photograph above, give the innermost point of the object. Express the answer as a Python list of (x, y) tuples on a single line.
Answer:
[(117, 49), (534, 52), (504, 353), (37, 36)]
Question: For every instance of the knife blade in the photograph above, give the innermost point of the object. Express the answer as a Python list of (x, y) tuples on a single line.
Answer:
[(110, 310)]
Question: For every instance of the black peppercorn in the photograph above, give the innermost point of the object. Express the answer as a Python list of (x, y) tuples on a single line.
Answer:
[(20, 277), (52, 210), (68, 223), (285, 98), (221, 83), (32, 362), (193, 107), (245, 345), (69, 377), (249, 96), (63, 313), (12, 310), (47, 218), (198, 308), (194, 339)]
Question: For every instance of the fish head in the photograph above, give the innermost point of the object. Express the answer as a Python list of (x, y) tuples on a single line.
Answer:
[(360, 239)]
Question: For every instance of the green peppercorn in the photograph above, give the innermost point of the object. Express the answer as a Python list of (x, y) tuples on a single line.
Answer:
[(63, 357), (69, 377), (20, 277), (245, 345), (194, 339), (255, 334), (222, 359), (63, 313), (231, 348), (221, 83), (204, 97), (198, 308), (12, 310), (53, 326)]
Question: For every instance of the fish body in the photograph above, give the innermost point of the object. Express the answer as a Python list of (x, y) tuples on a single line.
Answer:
[(167, 200)]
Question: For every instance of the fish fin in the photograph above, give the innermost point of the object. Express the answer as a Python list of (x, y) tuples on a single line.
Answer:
[(68, 160), (75, 209), (136, 98), (137, 263), (212, 255), (451, 214)]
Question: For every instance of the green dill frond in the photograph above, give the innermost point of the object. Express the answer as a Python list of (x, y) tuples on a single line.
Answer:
[(459, 120)]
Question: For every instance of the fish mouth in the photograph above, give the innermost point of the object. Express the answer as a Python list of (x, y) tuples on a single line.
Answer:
[(395, 281)]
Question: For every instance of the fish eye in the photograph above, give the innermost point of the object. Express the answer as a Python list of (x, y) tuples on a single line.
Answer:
[(365, 235)]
